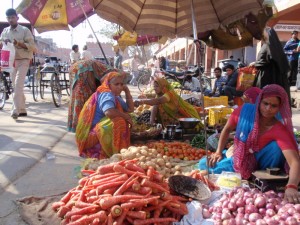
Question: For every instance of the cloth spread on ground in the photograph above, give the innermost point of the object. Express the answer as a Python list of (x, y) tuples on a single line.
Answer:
[(37, 210)]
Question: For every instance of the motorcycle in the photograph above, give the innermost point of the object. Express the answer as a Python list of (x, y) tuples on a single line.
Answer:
[(180, 77)]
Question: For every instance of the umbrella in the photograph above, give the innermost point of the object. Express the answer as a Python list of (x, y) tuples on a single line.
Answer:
[(127, 38), (48, 15), (173, 17), (240, 33)]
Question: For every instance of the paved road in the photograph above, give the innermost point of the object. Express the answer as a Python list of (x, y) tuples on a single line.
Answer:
[(27, 148)]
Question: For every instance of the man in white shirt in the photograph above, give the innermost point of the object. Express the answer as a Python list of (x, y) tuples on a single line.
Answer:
[(192, 83), (134, 70), (86, 55), (74, 54)]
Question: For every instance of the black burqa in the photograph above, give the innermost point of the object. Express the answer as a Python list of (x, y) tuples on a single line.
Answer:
[(272, 64)]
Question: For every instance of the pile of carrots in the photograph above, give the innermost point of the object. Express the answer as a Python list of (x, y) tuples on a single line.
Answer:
[(196, 174), (118, 194), (178, 150)]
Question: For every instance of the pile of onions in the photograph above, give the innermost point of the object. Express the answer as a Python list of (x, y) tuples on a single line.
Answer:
[(251, 206)]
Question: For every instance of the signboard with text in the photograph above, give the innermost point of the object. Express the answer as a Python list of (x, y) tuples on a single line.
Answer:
[(287, 27)]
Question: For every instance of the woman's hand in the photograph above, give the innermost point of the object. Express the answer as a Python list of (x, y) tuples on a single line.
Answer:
[(292, 195), (128, 119), (126, 89), (214, 158)]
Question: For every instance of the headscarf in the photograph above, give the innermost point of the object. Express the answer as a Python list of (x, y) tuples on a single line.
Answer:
[(243, 152), (87, 113), (176, 106), (252, 93)]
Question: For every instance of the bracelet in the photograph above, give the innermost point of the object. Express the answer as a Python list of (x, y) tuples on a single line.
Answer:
[(291, 186)]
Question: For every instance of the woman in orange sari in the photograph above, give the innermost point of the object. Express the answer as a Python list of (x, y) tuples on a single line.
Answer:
[(104, 122)]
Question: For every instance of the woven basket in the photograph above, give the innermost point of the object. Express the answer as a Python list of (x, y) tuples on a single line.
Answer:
[(145, 135)]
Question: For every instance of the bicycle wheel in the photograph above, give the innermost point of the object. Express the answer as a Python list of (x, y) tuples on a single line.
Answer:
[(2, 91), (143, 82), (55, 89), (35, 86)]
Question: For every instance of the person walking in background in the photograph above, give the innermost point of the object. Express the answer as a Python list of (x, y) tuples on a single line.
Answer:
[(74, 54), (290, 49), (271, 63), (118, 60), (134, 70), (86, 54), (23, 41)]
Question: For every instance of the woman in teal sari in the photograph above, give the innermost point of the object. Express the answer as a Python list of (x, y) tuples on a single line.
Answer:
[(264, 139)]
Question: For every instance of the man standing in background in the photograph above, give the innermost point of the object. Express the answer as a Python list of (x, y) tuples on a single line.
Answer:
[(134, 70), (290, 49), (23, 41), (86, 54), (118, 60), (74, 54)]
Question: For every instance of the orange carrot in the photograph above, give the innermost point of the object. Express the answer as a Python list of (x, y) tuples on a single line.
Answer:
[(137, 214), (134, 167), (56, 205), (121, 218), (63, 211), (102, 188), (150, 172), (148, 183), (117, 177), (89, 172), (139, 202), (158, 177), (144, 191), (108, 202), (96, 221), (83, 211), (125, 184), (123, 170), (81, 204), (153, 220), (83, 181), (136, 186), (110, 191), (106, 168), (67, 197), (109, 219), (116, 211)]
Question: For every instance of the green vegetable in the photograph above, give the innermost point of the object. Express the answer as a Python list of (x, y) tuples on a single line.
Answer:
[(297, 134), (199, 141)]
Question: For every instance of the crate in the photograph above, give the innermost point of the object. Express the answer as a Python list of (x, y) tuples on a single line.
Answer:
[(215, 101), (218, 115)]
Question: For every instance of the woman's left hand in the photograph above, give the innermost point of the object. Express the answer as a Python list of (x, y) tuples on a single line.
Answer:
[(292, 195)]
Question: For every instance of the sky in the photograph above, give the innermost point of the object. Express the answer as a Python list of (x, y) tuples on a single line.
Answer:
[(62, 38)]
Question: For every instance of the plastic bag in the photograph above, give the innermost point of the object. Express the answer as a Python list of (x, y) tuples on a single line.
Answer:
[(8, 57), (246, 78), (229, 180)]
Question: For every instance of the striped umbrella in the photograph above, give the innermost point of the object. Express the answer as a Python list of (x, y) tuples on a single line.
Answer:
[(174, 17)]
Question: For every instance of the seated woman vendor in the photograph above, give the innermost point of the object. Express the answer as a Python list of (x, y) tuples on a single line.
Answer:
[(103, 124), (264, 139), (168, 106)]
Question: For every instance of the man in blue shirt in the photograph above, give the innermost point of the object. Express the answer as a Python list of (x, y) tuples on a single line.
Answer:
[(219, 82), (290, 50)]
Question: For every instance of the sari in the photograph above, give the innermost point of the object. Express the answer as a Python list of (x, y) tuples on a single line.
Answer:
[(176, 107), (85, 76), (108, 136), (247, 156)]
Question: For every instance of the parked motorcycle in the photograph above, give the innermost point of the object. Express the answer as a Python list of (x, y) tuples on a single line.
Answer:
[(180, 77)]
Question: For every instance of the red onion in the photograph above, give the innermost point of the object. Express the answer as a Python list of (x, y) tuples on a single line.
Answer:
[(260, 202), (297, 216), (262, 211), (291, 221), (297, 207), (241, 210), (271, 221), (249, 201), (270, 206), (270, 212), (240, 202), (291, 211), (261, 222), (225, 204), (250, 209), (232, 206), (225, 216), (229, 222), (253, 217)]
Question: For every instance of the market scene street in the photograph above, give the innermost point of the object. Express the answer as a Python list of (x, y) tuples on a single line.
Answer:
[(148, 112)]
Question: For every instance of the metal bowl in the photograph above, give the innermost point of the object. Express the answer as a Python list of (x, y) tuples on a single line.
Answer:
[(188, 123)]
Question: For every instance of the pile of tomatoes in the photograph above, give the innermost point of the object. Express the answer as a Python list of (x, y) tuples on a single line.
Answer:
[(179, 150)]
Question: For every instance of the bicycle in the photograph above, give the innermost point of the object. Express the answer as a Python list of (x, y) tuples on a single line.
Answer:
[(6, 87)]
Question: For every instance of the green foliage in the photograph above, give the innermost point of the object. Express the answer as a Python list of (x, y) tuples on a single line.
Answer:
[(199, 141)]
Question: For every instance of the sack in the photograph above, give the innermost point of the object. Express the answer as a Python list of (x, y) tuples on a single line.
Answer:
[(8, 56), (246, 78)]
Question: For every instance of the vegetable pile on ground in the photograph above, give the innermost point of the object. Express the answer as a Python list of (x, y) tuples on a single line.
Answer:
[(178, 150), (196, 174), (121, 193), (251, 206)]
